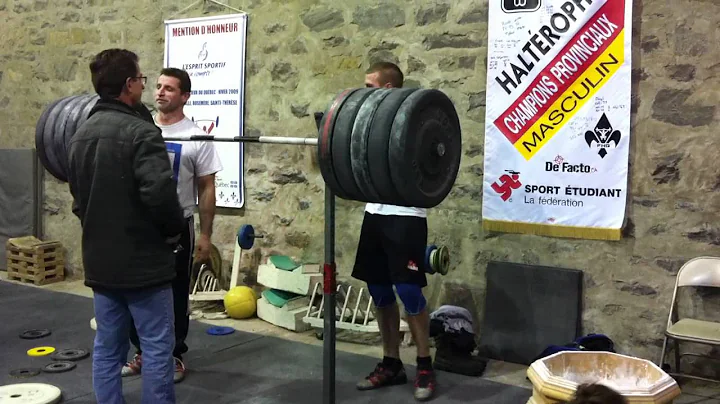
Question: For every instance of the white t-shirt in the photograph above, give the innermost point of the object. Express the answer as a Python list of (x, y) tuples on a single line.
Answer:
[(393, 210), (189, 160)]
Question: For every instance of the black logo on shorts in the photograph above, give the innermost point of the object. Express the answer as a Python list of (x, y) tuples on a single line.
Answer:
[(520, 6), (603, 135)]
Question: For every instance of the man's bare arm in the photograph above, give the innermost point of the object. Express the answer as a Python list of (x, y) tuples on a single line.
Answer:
[(206, 204)]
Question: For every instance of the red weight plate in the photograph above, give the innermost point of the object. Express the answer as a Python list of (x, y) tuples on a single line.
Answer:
[(325, 140)]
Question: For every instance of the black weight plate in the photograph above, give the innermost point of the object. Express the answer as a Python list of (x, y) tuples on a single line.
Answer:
[(24, 373), (341, 136), (35, 333), (379, 139), (59, 149), (40, 146), (359, 158), (86, 111), (51, 135), (72, 124), (72, 354), (425, 148), (325, 138), (59, 367)]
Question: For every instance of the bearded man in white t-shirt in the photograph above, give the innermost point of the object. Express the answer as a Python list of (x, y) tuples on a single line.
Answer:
[(194, 165)]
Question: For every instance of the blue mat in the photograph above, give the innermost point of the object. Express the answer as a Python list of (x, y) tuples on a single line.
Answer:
[(234, 368)]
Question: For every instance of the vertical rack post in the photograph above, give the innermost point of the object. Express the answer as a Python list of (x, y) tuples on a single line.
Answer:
[(329, 309), (329, 281)]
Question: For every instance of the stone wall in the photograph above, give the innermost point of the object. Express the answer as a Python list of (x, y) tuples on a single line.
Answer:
[(301, 52)]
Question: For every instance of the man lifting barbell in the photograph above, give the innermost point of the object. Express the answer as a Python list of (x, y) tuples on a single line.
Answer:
[(391, 252), (194, 166)]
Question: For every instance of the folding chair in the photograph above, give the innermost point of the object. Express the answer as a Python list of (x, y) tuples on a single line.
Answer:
[(697, 272)]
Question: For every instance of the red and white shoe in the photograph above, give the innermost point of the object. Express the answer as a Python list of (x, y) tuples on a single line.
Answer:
[(133, 367), (179, 370)]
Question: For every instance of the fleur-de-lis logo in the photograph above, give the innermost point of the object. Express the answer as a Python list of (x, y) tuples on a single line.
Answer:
[(603, 135)]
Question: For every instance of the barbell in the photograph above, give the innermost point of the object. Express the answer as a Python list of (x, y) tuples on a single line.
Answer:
[(397, 146), (437, 260), (246, 236)]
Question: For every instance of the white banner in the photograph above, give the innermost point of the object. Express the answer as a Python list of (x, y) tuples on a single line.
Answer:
[(557, 129), (212, 51)]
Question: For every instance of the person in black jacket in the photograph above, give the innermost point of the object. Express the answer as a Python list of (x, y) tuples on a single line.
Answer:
[(125, 197)]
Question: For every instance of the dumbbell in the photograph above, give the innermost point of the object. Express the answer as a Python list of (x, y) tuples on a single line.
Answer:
[(246, 237), (437, 260)]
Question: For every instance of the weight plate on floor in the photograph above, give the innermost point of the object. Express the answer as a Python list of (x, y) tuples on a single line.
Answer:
[(425, 148), (220, 330), (378, 141), (359, 143), (40, 351), (30, 393), (325, 141), (59, 367), (73, 354), (24, 373), (35, 333), (341, 136)]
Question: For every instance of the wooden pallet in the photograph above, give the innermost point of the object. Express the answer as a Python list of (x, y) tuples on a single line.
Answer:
[(35, 261)]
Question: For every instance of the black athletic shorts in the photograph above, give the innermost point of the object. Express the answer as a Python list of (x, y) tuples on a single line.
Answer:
[(391, 250)]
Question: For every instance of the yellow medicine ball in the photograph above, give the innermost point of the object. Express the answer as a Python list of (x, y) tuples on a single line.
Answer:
[(240, 302)]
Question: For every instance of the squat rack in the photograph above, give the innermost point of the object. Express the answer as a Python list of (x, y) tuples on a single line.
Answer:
[(329, 280), (329, 267)]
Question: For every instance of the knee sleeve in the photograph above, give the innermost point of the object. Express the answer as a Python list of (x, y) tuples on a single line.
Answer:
[(382, 295), (412, 298)]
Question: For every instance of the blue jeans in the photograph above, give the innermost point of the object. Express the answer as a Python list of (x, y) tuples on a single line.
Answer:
[(153, 315)]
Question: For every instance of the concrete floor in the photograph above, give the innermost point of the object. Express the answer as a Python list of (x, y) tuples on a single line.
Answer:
[(693, 392)]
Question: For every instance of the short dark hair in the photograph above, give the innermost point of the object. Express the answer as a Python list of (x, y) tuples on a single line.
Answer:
[(597, 394), (110, 69), (389, 73), (180, 74)]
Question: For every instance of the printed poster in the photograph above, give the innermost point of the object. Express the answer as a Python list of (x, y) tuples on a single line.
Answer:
[(557, 129), (212, 51)]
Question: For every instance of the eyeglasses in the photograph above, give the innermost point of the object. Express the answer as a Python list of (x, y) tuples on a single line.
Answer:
[(143, 78)]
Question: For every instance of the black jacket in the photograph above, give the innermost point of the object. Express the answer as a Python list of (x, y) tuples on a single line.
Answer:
[(125, 197)]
